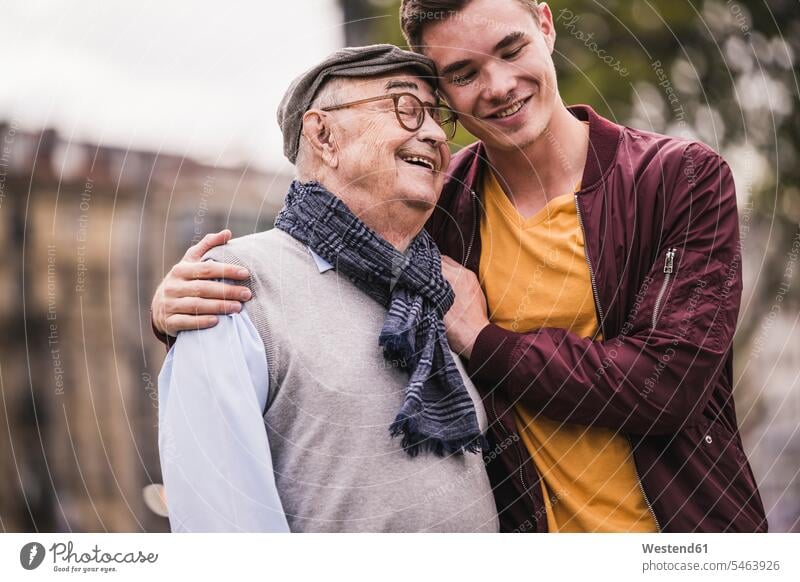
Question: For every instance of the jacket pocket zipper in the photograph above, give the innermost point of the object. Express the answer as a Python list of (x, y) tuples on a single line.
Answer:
[(669, 266)]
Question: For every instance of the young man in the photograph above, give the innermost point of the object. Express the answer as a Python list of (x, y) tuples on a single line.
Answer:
[(598, 277), (343, 344)]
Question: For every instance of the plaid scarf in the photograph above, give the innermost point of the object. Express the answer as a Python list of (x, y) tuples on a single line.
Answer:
[(437, 413)]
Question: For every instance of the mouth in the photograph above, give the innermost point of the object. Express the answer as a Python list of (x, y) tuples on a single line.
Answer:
[(512, 109), (419, 160)]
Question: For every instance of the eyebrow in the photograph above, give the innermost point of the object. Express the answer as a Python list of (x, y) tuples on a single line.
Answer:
[(505, 42), (509, 39), (396, 84)]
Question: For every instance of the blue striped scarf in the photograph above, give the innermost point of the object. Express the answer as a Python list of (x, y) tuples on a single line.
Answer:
[(437, 413)]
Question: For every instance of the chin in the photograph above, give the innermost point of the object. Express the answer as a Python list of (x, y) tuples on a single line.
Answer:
[(423, 204), (516, 141), (421, 200)]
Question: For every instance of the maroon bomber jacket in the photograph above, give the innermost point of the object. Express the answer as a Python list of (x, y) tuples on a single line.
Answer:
[(662, 241)]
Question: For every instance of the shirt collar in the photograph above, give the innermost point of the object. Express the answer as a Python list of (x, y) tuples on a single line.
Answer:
[(322, 264)]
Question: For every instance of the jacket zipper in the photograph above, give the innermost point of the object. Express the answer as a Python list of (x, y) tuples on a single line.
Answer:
[(591, 271), (602, 329), (516, 450), (669, 265), (473, 199), (641, 487)]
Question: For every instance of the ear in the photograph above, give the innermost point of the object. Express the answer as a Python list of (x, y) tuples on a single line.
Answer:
[(318, 133), (546, 25)]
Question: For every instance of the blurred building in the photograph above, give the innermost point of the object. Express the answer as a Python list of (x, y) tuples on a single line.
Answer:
[(88, 233)]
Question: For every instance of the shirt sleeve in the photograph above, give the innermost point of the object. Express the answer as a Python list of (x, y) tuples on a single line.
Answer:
[(214, 449)]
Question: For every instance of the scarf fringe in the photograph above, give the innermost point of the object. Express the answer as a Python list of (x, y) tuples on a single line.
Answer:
[(415, 442)]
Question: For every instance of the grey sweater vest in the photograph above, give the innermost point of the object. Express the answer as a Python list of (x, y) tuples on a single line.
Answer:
[(332, 397)]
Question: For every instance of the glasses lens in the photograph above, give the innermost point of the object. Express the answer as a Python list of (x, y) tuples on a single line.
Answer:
[(410, 112), (450, 127), (446, 118)]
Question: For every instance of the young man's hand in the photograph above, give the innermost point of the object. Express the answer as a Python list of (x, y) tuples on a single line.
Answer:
[(467, 317), (187, 299)]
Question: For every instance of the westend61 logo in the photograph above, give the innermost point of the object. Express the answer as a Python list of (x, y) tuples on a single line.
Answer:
[(65, 559)]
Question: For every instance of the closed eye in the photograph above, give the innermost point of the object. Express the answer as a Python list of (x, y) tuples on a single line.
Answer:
[(515, 53)]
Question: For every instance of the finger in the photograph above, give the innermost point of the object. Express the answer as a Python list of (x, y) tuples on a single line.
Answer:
[(176, 323), (212, 290), (449, 272), (189, 270), (208, 242), (197, 306), (451, 267), (158, 320)]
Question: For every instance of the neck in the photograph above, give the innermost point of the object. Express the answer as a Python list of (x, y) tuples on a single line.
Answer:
[(548, 167), (396, 221), (397, 231)]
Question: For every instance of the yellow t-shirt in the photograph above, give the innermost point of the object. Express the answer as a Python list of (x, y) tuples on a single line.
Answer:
[(535, 275)]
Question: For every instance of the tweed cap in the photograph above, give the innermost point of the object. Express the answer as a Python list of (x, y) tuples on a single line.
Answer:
[(362, 61)]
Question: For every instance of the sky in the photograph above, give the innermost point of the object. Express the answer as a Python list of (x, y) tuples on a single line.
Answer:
[(195, 78)]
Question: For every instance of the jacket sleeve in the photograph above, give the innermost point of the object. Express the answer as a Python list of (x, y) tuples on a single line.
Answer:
[(656, 376)]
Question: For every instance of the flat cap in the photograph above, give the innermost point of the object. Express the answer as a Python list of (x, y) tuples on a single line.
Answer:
[(362, 61)]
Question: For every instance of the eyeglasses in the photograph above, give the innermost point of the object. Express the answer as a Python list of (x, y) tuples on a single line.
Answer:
[(410, 112)]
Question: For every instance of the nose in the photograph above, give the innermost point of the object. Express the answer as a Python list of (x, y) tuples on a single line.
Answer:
[(431, 132), (500, 82)]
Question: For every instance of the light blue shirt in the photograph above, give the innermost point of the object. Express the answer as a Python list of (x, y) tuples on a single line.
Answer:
[(215, 456)]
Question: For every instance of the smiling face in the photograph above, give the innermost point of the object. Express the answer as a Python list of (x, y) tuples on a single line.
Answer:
[(379, 163), (496, 69)]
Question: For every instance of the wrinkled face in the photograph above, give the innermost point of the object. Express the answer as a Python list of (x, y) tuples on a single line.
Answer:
[(496, 70), (392, 164)]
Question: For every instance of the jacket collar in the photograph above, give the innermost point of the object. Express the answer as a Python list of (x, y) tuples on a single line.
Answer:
[(604, 139)]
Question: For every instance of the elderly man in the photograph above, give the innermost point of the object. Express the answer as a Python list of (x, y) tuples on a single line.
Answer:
[(343, 345)]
